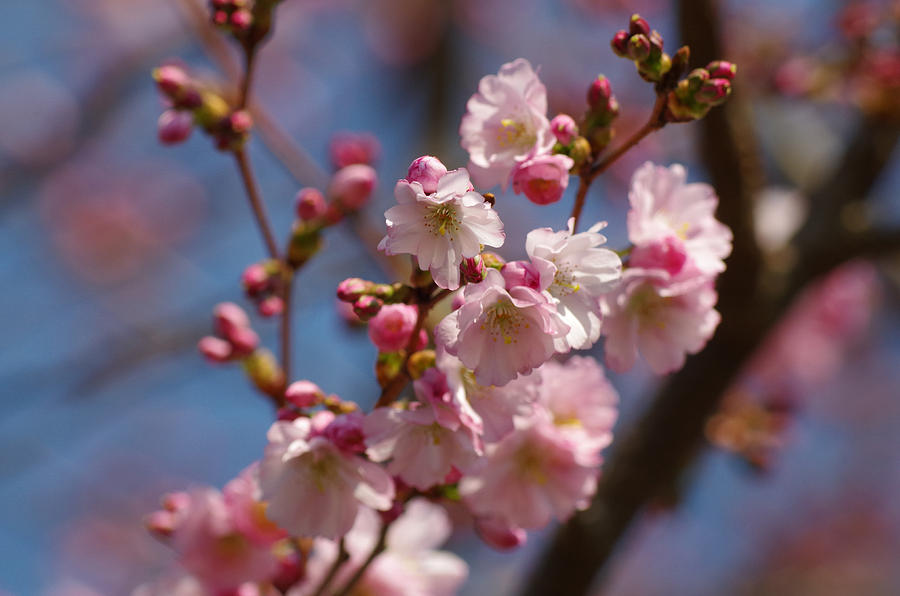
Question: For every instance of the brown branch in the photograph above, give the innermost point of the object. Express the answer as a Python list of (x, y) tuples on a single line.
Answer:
[(256, 204), (286, 325), (341, 558)]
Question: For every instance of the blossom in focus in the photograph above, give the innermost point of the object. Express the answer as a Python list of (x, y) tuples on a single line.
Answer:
[(392, 327), (443, 228), (500, 333), (542, 178), (580, 399), (313, 487), (505, 122), (410, 564), (661, 318), (664, 207), (427, 171), (532, 475), (495, 406), (583, 273), (428, 440)]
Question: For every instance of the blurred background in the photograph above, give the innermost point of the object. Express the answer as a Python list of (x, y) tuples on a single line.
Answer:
[(114, 249)]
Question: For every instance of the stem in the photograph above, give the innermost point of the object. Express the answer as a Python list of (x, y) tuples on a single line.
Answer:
[(379, 548), (285, 330), (655, 122), (247, 80), (256, 203), (342, 557), (396, 385)]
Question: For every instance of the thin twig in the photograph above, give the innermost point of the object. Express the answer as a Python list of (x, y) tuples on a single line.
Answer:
[(377, 550), (247, 79), (286, 327), (342, 557), (654, 122), (256, 204)]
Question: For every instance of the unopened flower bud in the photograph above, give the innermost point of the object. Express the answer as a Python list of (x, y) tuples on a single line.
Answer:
[(619, 43), (228, 316), (304, 394), (287, 414), (638, 25), (599, 92), (714, 91), (367, 307), (390, 330), (638, 48), (215, 349), (499, 534), (721, 69), (387, 366), (160, 523), (255, 278), (680, 64), (310, 203), (241, 122), (263, 370), (244, 340), (696, 78), (352, 288), (352, 186), (333, 214), (580, 151), (349, 148), (306, 240), (419, 362), (241, 19), (346, 432), (176, 502), (271, 306), (426, 170), (472, 269), (171, 80), (174, 126), (564, 128)]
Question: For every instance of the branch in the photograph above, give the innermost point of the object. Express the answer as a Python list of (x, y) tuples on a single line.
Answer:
[(256, 204), (377, 550)]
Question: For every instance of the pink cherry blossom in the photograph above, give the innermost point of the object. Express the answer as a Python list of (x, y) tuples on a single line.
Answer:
[(664, 206), (533, 474), (392, 327), (443, 228), (352, 185), (312, 486), (427, 440), (248, 511), (495, 406), (661, 318), (500, 333), (409, 565), (580, 399), (542, 178), (505, 122), (500, 534), (583, 272), (427, 171)]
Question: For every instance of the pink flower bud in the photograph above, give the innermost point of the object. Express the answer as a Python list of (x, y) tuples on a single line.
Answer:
[(619, 43), (543, 179), (171, 80), (287, 413), (271, 306), (453, 476), (599, 93), (499, 534), (333, 214), (564, 128), (714, 91), (241, 19), (352, 288), (320, 421), (472, 269), (367, 307), (215, 349), (174, 127), (161, 523), (426, 170), (352, 186), (176, 502), (220, 17), (638, 25), (521, 273), (304, 394), (721, 69), (392, 327), (668, 254), (353, 148), (255, 279), (638, 48), (310, 204), (228, 316), (240, 122), (244, 340), (346, 432)]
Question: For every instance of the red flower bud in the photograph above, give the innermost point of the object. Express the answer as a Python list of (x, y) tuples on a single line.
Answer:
[(619, 43)]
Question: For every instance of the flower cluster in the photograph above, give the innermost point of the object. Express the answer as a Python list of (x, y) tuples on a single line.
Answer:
[(482, 404)]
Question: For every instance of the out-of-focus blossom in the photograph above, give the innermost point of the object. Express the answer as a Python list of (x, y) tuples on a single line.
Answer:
[(500, 333), (352, 186), (443, 228), (505, 122), (661, 319), (564, 128), (663, 206), (310, 204), (499, 534), (247, 510), (391, 329), (313, 487), (409, 565), (777, 214), (534, 474), (583, 273), (542, 178), (348, 148)]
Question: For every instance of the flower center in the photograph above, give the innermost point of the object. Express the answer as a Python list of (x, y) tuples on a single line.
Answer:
[(504, 320), (646, 305), (514, 133), (530, 464), (564, 281), (441, 220)]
